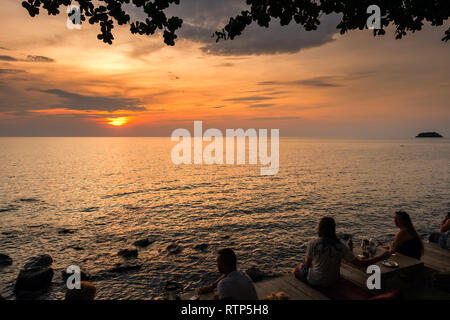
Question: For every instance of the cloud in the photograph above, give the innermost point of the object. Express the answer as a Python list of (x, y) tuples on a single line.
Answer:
[(276, 39), (10, 71), (38, 59), (29, 58), (261, 105), (201, 18), (249, 98), (320, 82), (7, 58), (309, 82), (226, 64), (276, 118), (76, 101), (173, 77), (140, 49)]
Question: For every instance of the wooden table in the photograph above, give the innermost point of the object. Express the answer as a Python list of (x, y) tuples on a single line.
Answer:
[(409, 273)]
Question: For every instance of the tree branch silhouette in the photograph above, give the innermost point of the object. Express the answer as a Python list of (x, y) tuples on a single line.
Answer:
[(407, 16)]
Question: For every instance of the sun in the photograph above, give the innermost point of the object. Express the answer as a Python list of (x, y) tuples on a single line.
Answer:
[(117, 122)]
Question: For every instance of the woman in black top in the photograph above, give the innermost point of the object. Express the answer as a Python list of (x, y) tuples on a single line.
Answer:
[(407, 240)]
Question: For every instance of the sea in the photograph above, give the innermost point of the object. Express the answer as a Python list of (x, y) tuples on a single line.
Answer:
[(82, 200)]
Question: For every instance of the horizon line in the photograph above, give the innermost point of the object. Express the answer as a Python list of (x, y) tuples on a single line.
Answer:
[(295, 137)]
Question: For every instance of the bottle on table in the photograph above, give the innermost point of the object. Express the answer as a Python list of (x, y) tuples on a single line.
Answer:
[(372, 247), (365, 248)]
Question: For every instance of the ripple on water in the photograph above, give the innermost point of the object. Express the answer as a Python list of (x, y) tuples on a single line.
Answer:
[(10, 207)]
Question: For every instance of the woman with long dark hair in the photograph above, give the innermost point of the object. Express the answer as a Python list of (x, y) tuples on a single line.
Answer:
[(324, 255), (407, 241)]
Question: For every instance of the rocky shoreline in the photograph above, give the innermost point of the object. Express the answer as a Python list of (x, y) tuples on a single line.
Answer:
[(37, 275)]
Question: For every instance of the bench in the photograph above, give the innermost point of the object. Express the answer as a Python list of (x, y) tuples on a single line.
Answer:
[(436, 258)]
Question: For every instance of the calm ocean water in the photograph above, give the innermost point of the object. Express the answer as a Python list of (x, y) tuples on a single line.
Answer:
[(113, 191)]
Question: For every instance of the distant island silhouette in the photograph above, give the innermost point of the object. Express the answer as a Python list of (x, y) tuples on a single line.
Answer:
[(429, 135)]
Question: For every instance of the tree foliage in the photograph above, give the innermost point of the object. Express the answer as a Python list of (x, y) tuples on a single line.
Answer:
[(106, 12), (405, 15)]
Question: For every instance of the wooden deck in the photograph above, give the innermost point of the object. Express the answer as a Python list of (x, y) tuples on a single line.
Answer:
[(292, 287), (436, 258)]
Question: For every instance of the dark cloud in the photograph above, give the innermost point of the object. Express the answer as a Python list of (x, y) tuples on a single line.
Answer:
[(7, 58), (249, 98), (309, 82), (276, 118), (261, 105), (273, 40), (76, 101), (39, 59), (325, 81), (173, 77), (201, 18), (10, 71), (29, 58)]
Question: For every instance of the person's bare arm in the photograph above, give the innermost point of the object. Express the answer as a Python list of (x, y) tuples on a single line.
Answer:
[(350, 244), (365, 263), (307, 263), (210, 288)]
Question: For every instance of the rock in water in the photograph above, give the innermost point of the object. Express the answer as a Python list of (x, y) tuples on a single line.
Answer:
[(35, 279), (65, 231), (41, 261), (143, 242), (174, 248), (201, 247), (174, 286), (128, 253), (76, 248), (5, 260), (36, 275), (255, 274)]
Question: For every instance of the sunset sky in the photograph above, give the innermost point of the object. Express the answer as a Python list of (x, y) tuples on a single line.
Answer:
[(60, 82)]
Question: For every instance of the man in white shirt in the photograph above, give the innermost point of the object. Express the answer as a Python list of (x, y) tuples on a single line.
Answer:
[(233, 284)]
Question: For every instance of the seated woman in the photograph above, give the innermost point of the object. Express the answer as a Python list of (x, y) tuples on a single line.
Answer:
[(324, 254), (407, 240)]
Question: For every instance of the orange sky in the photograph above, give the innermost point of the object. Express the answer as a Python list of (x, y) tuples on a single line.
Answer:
[(356, 85)]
